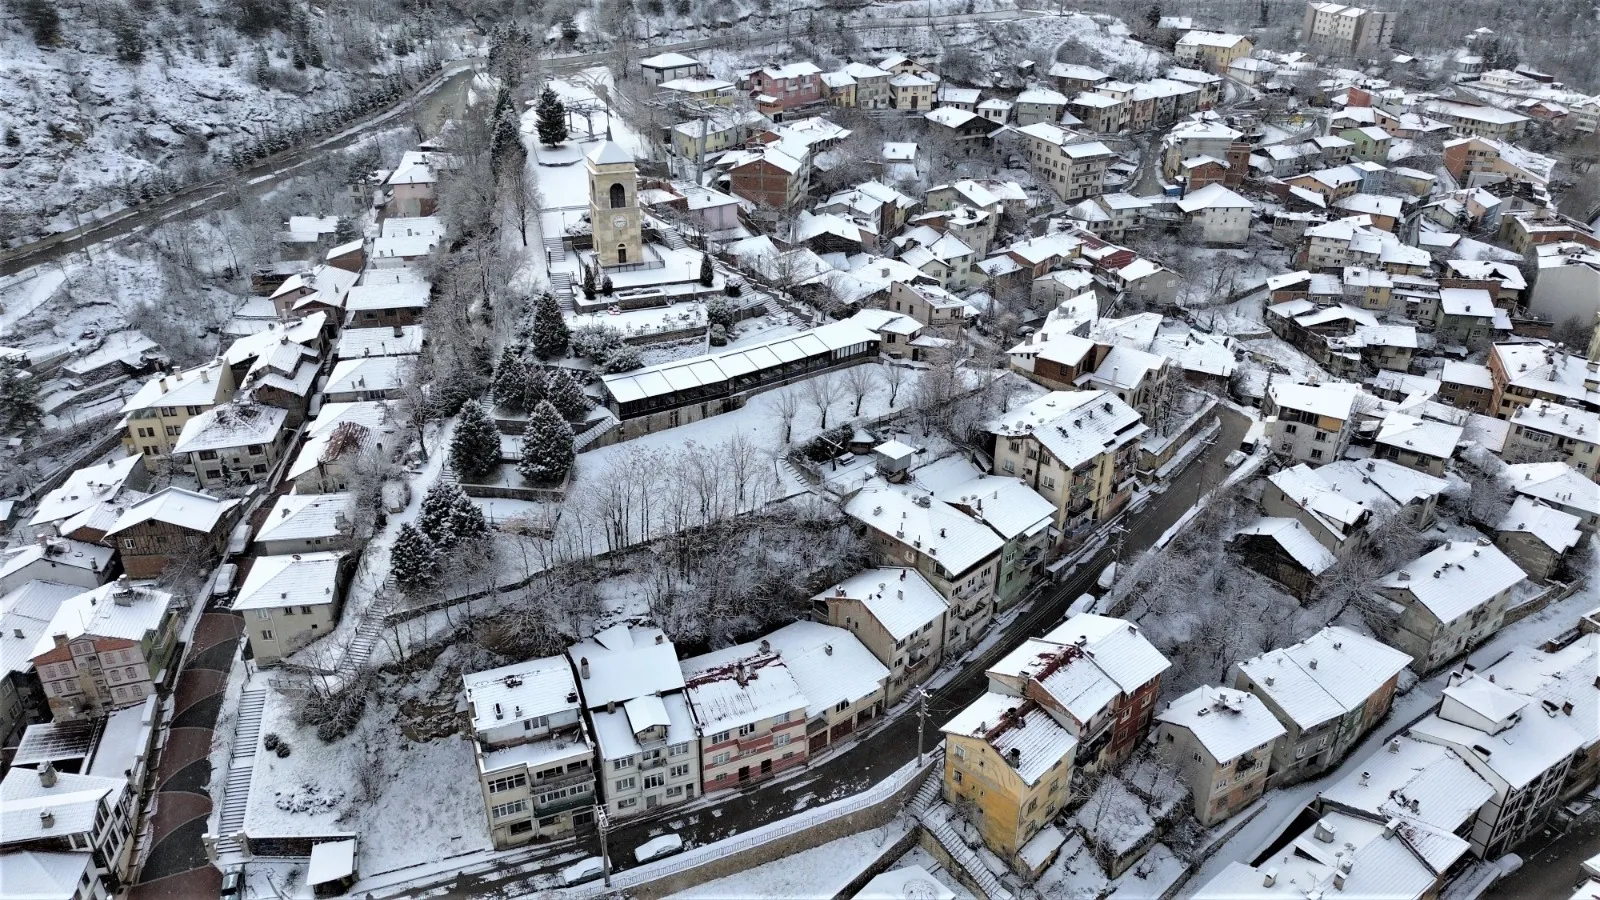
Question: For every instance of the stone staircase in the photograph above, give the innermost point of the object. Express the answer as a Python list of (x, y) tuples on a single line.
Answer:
[(241, 768), (967, 859), (561, 287), (554, 250), (583, 439), (672, 238), (372, 621)]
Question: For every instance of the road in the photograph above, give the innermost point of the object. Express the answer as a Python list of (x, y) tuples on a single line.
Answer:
[(1551, 861), (881, 752)]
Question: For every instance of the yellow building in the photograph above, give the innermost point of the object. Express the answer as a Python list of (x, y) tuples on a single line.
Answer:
[(1007, 766), (154, 417)]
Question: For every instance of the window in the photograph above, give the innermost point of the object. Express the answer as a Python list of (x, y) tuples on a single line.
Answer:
[(502, 810), (619, 196), (720, 759), (1291, 429), (263, 613), (1010, 467), (959, 779), (208, 454), (1321, 437), (841, 706), (678, 750), (627, 803), (288, 610), (719, 737), (618, 765), (746, 730), (780, 719), (305, 610), (523, 827), (627, 784), (679, 771), (654, 781), (780, 740), (1316, 454), (266, 634), (253, 449), (508, 783), (675, 791)]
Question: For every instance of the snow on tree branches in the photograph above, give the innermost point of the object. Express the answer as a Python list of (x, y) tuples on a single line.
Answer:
[(449, 518), (547, 452), (414, 560), (475, 447)]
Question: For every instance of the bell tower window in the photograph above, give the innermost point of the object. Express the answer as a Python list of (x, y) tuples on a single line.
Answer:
[(619, 196)]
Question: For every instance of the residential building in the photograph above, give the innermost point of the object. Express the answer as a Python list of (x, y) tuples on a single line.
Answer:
[(957, 554), (1284, 550), (1560, 486), (335, 441), (844, 685), (411, 186), (1447, 601), (897, 614), (1538, 538), (784, 88), (305, 523), (1525, 755), (1040, 105), (1010, 763), (1544, 432), (1077, 449), (106, 649), (1468, 316), (155, 415), (911, 92), (1097, 677), (773, 177), (1072, 78), (1341, 502), (1567, 284), (233, 444), (947, 260), (1410, 780), (1417, 443), (84, 489), (715, 132), (749, 713), (931, 305), (534, 758), (1222, 216), (1222, 741), (1468, 386), (667, 66), (1329, 691), (290, 601), (1020, 516), (1310, 423), (1347, 30), (1210, 50), (386, 304), (172, 524), (25, 614), (1562, 681), (871, 85), (61, 560), (1074, 168), (1468, 119), (69, 824)]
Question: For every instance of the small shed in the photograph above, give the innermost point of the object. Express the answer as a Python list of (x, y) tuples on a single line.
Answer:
[(333, 868), (894, 459)]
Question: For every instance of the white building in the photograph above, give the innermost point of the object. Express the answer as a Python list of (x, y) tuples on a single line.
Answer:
[(1310, 423), (1448, 601), (1223, 216), (59, 822), (289, 601), (1222, 741), (305, 523)]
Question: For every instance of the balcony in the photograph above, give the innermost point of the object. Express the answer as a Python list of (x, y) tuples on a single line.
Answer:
[(647, 764), (571, 801), (561, 781)]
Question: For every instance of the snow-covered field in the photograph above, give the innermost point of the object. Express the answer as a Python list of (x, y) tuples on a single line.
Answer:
[(816, 874)]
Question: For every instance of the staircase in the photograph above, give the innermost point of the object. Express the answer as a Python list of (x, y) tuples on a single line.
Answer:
[(776, 310), (561, 287), (672, 238), (554, 250), (594, 432), (371, 627), (241, 767), (967, 860), (927, 794)]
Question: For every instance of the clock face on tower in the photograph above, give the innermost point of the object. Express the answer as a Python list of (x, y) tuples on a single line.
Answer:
[(619, 222)]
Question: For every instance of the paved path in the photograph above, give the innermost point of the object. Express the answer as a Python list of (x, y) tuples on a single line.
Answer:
[(176, 865)]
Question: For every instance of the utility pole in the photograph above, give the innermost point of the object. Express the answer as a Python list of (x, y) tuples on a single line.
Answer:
[(922, 719), (602, 822)]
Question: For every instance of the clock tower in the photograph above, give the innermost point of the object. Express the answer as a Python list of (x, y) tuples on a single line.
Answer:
[(614, 205)]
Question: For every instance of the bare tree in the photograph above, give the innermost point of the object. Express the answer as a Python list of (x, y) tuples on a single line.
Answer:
[(786, 402), (893, 378), (861, 381), (522, 195), (822, 391)]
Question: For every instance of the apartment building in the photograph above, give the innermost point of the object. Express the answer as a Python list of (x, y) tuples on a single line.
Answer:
[(1538, 538), (785, 87), (1311, 423), (1482, 120), (232, 444), (1074, 168), (1077, 449), (1417, 443), (957, 554), (1521, 373), (75, 826), (1544, 432), (1560, 680), (1328, 691), (289, 601), (845, 686), (104, 649), (1019, 515), (648, 748), (154, 417), (897, 615), (749, 713), (1222, 741), (1347, 30), (1211, 51), (1447, 601), (536, 766), (1560, 486), (1568, 282), (1009, 763)]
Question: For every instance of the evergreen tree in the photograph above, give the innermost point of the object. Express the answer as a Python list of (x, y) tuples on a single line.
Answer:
[(41, 18), (1152, 16), (413, 560), (623, 359), (547, 452), (550, 332), (449, 518), (475, 447), (606, 287), (588, 283), (344, 230), (19, 398), (566, 395), (129, 36), (510, 382), (536, 389), (467, 521), (719, 312), (551, 119), (707, 274)]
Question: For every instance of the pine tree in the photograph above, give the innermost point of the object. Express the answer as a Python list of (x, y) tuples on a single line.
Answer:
[(19, 397), (475, 447), (566, 395), (707, 274), (41, 18), (1152, 16), (467, 521), (550, 332), (510, 382), (129, 36), (588, 283), (623, 359), (413, 560), (606, 287), (547, 452), (449, 518), (344, 230), (536, 387), (551, 118)]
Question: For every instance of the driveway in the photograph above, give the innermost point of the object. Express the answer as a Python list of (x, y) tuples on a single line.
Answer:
[(176, 865)]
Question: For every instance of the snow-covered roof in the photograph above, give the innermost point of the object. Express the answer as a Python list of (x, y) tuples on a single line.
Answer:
[(396, 295), (199, 386), (1043, 96), (609, 153), (1555, 529), (905, 882), (1424, 436), (1446, 791), (1209, 39), (924, 524), (1466, 302), (1470, 374), (1546, 370), (1005, 504), (830, 665), (84, 488), (900, 599), (1075, 426), (300, 579), (1295, 540), (1331, 400), (296, 517), (1556, 483), (952, 117), (668, 61), (525, 690), (368, 373), (1456, 577), (27, 612), (1324, 676), (235, 424), (617, 733), (340, 428), (74, 802), (415, 167), (1228, 723), (331, 861), (1515, 754), (176, 506), (739, 685), (624, 662), (1213, 196), (43, 875), (1076, 72), (1018, 730), (1117, 646), (357, 342), (1557, 418), (114, 610)]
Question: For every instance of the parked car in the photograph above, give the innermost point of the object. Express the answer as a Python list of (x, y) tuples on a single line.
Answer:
[(657, 847), (1108, 577), (582, 870), (231, 884), (1234, 459)]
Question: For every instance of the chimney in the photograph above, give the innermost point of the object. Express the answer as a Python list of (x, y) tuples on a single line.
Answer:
[(498, 714), (205, 376), (827, 649), (47, 775), (611, 706), (398, 331), (1326, 831), (583, 668), (1014, 758), (766, 646), (1338, 880), (1269, 878), (661, 639), (46, 818), (1365, 777)]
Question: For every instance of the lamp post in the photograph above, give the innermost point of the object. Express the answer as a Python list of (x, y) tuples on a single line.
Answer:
[(603, 822), (922, 720)]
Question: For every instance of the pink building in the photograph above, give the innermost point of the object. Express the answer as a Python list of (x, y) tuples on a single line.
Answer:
[(796, 84), (750, 713)]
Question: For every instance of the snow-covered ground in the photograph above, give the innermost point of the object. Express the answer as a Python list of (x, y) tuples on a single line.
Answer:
[(816, 874)]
